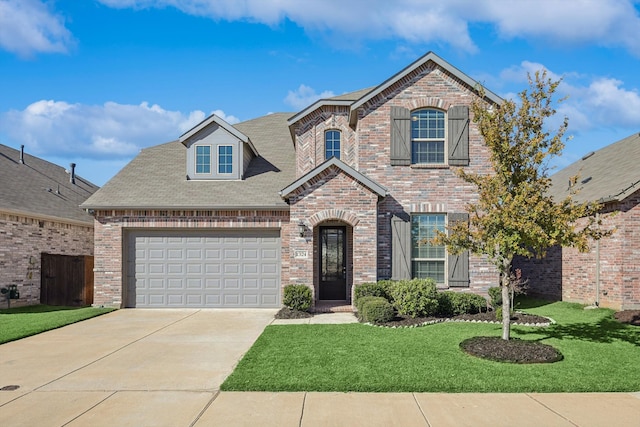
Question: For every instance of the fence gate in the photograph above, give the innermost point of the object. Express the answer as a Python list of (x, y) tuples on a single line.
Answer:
[(66, 280)]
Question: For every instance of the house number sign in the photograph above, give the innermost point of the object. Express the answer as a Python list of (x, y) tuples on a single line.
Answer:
[(300, 254)]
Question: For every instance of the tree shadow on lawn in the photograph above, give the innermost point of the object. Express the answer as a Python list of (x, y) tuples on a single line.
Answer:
[(605, 331)]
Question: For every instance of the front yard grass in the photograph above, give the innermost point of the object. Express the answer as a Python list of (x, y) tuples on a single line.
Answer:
[(600, 355), (21, 322)]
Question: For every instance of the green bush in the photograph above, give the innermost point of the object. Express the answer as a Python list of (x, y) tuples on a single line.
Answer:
[(454, 303), (297, 297), (360, 302), (495, 294), (377, 310), (499, 314), (415, 298), (374, 289)]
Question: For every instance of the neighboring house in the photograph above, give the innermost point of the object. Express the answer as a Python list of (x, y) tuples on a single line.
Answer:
[(39, 214), (336, 195), (609, 274)]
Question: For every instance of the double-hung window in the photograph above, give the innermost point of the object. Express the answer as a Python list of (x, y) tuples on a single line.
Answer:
[(428, 137), (427, 260), (225, 159), (203, 159), (331, 144)]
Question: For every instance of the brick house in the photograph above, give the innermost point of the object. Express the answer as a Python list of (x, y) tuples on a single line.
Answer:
[(609, 274), (39, 214), (333, 196)]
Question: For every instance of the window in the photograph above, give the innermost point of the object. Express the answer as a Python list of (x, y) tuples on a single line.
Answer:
[(427, 260), (427, 136), (332, 144), (225, 159), (203, 159)]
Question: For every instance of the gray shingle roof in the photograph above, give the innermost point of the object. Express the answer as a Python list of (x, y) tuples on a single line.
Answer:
[(353, 96), (41, 188), (609, 174), (156, 178)]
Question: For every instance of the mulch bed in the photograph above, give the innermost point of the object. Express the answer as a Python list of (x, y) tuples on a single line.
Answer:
[(287, 313), (490, 316), (631, 317), (512, 351)]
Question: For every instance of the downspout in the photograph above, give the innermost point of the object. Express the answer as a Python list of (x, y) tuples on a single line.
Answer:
[(597, 302)]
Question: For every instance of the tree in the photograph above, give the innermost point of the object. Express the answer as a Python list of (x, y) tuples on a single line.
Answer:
[(514, 214)]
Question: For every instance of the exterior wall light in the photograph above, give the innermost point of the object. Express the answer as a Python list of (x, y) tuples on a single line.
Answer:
[(301, 228)]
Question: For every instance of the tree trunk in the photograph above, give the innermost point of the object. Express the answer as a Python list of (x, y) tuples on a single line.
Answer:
[(506, 309)]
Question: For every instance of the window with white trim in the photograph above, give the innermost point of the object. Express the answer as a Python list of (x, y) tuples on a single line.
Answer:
[(225, 159), (427, 260), (203, 159), (332, 144), (428, 137)]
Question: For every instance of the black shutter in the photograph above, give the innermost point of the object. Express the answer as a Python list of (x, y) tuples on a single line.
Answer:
[(458, 264), (458, 117), (400, 249), (400, 136)]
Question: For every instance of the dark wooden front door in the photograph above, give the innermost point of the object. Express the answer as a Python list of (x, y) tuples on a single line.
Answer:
[(333, 263)]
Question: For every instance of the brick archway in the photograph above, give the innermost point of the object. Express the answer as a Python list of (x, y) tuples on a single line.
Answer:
[(338, 214)]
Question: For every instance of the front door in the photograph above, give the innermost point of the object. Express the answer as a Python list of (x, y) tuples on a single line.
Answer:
[(333, 265)]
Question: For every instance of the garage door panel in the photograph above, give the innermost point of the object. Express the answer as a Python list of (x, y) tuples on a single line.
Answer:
[(204, 268)]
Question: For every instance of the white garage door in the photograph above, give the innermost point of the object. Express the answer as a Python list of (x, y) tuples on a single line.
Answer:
[(231, 268)]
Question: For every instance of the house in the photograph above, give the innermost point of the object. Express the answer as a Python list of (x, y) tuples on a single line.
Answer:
[(333, 196), (39, 216), (609, 274)]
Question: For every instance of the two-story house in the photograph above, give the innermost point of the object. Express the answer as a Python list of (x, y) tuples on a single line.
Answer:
[(347, 191)]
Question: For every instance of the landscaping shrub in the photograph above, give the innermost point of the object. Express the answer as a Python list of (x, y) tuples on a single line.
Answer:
[(495, 293), (415, 298), (374, 289), (499, 314), (454, 303), (377, 310), (297, 297), (360, 302)]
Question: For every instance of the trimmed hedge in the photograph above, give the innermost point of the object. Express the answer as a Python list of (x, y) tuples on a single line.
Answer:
[(372, 289), (495, 293), (415, 298), (360, 302), (377, 310), (454, 303), (297, 297)]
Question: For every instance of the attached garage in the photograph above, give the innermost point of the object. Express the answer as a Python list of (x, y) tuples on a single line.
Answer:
[(202, 268)]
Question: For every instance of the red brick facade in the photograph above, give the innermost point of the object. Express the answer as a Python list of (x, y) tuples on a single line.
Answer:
[(23, 239), (609, 274)]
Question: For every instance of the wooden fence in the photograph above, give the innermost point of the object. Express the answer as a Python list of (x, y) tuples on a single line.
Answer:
[(66, 280)]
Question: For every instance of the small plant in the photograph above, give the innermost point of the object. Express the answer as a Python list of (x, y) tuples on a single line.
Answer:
[(495, 294), (373, 289), (499, 314), (297, 297), (415, 298), (377, 310), (455, 303)]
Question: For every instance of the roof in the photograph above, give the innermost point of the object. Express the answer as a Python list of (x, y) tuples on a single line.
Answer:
[(156, 178), (41, 189), (335, 162), (223, 124), (609, 174)]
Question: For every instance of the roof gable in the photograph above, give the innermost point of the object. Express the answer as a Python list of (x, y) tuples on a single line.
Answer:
[(335, 162), (215, 120)]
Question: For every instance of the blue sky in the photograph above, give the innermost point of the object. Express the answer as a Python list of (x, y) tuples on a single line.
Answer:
[(94, 81)]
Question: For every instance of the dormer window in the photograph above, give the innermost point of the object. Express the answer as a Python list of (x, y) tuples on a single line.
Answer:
[(203, 159), (225, 159), (332, 144)]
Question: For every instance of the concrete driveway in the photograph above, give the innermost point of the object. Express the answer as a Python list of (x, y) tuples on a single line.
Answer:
[(130, 367)]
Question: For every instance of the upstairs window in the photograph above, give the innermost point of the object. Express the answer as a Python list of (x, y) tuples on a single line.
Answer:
[(331, 144), (225, 159), (427, 260), (203, 159), (428, 137)]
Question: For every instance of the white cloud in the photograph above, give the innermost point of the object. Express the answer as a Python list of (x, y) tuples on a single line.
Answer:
[(111, 130), (602, 22), (232, 120), (305, 96), (29, 26)]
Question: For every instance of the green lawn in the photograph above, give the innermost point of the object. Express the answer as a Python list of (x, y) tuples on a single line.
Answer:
[(20, 322), (600, 354)]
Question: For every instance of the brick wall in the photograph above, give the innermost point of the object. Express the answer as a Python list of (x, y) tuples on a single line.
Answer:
[(567, 274), (109, 238), (22, 241)]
